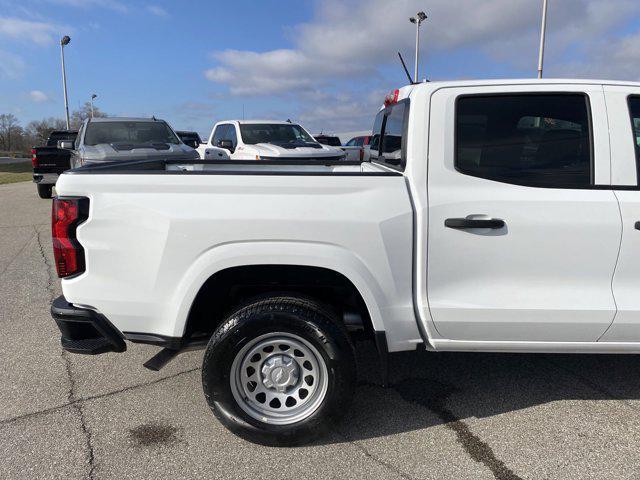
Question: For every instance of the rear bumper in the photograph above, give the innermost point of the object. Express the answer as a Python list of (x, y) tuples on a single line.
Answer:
[(45, 178), (85, 331)]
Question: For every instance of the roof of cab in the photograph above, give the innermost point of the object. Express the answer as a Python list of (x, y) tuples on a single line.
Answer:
[(435, 85), (276, 122), (124, 119)]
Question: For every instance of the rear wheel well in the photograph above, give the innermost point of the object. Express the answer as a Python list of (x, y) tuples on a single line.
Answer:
[(229, 289)]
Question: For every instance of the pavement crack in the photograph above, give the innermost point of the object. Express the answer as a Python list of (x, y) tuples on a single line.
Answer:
[(433, 395), (16, 255), (50, 279), (78, 406), (82, 400), (71, 395)]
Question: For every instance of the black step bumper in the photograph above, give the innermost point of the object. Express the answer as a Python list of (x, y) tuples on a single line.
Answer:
[(85, 331)]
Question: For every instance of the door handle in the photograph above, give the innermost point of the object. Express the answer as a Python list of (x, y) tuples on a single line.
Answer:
[(464, 223)]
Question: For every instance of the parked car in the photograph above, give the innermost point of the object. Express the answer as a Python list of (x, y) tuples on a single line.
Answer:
[(51, 160), (264, 140), (192, 139), (110, 139), (354, 148), (496, 216)]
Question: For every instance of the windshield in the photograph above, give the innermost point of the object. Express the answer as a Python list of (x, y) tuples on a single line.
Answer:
[(277, 134), (129, 132), (331, 141)]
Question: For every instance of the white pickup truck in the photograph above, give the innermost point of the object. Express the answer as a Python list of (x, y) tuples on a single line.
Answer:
[(264, 140), (496, 216)]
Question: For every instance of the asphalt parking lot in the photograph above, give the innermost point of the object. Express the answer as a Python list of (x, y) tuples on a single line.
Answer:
[(446, 416)]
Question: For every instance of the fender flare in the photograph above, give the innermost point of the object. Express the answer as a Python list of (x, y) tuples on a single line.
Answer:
[(247, 253)]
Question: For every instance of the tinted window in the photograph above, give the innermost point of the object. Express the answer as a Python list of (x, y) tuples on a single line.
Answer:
[(634, 108), (326, 140), (136, 133), (536, 140), (219, 134), (392, 135), (352, 142), (231, 135), (190, 138), (375, 137)]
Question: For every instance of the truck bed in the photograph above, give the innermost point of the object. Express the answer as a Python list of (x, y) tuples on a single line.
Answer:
[(158, 230)]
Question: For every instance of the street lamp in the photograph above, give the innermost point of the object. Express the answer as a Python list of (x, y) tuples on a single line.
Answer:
[(92, 97), (418, 19), (65, 41), (543, 31)]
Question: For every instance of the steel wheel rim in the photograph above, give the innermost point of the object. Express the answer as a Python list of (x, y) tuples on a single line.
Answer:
[(279, 378)]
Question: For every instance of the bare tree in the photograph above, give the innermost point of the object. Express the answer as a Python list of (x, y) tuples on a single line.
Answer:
[(84, 112), (39, 130), (8, 127)]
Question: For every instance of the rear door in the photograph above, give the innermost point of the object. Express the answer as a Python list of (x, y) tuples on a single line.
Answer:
[(623, 107), (523, 228)]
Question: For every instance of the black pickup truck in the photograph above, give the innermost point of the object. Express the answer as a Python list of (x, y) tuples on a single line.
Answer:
[(50, 161)]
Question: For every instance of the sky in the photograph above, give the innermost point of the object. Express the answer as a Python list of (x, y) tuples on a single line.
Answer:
[(326, 64)]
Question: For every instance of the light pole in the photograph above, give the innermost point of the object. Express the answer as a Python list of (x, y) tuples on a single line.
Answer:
[(543, 31), (418, 19), (65, 41), (92, 97)]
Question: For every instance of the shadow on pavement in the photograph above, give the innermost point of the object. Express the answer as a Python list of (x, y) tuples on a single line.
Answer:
[(429, 389)]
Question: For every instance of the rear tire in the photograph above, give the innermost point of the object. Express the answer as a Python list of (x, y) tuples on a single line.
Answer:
[(279, 371), (45, 191)]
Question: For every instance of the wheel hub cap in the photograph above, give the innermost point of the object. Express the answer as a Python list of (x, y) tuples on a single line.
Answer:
[(279, 378), (280, 372)]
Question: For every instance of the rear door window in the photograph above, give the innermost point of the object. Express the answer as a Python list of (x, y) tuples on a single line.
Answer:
[(539, 140), (634, 109)]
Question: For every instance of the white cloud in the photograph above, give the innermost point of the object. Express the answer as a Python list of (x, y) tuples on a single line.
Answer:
[(351, 43), (157, 10), (40, 33), (38, 96), (11, 66)]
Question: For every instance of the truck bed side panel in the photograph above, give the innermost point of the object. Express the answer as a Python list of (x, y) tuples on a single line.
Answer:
[(152, 241)]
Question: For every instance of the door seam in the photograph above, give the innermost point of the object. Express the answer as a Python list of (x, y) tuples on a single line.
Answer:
[(615, 268)]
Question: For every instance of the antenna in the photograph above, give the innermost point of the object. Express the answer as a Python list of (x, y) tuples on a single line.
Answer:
[(405, 69)]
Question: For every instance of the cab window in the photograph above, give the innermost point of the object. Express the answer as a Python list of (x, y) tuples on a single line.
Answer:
[(389, 136)]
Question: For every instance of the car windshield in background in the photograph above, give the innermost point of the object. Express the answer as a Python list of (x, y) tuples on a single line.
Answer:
[(331, 141), (136, 133), (253, 133)]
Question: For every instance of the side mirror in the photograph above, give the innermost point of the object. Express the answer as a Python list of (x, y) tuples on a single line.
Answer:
[(65, 144), (226, 144), (192, 143)]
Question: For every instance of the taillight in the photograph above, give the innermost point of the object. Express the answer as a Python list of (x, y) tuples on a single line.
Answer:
[(361, 154), (34, 158), (66, 215)]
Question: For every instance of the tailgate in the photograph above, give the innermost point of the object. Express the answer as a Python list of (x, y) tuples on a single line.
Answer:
[(51, 160)]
